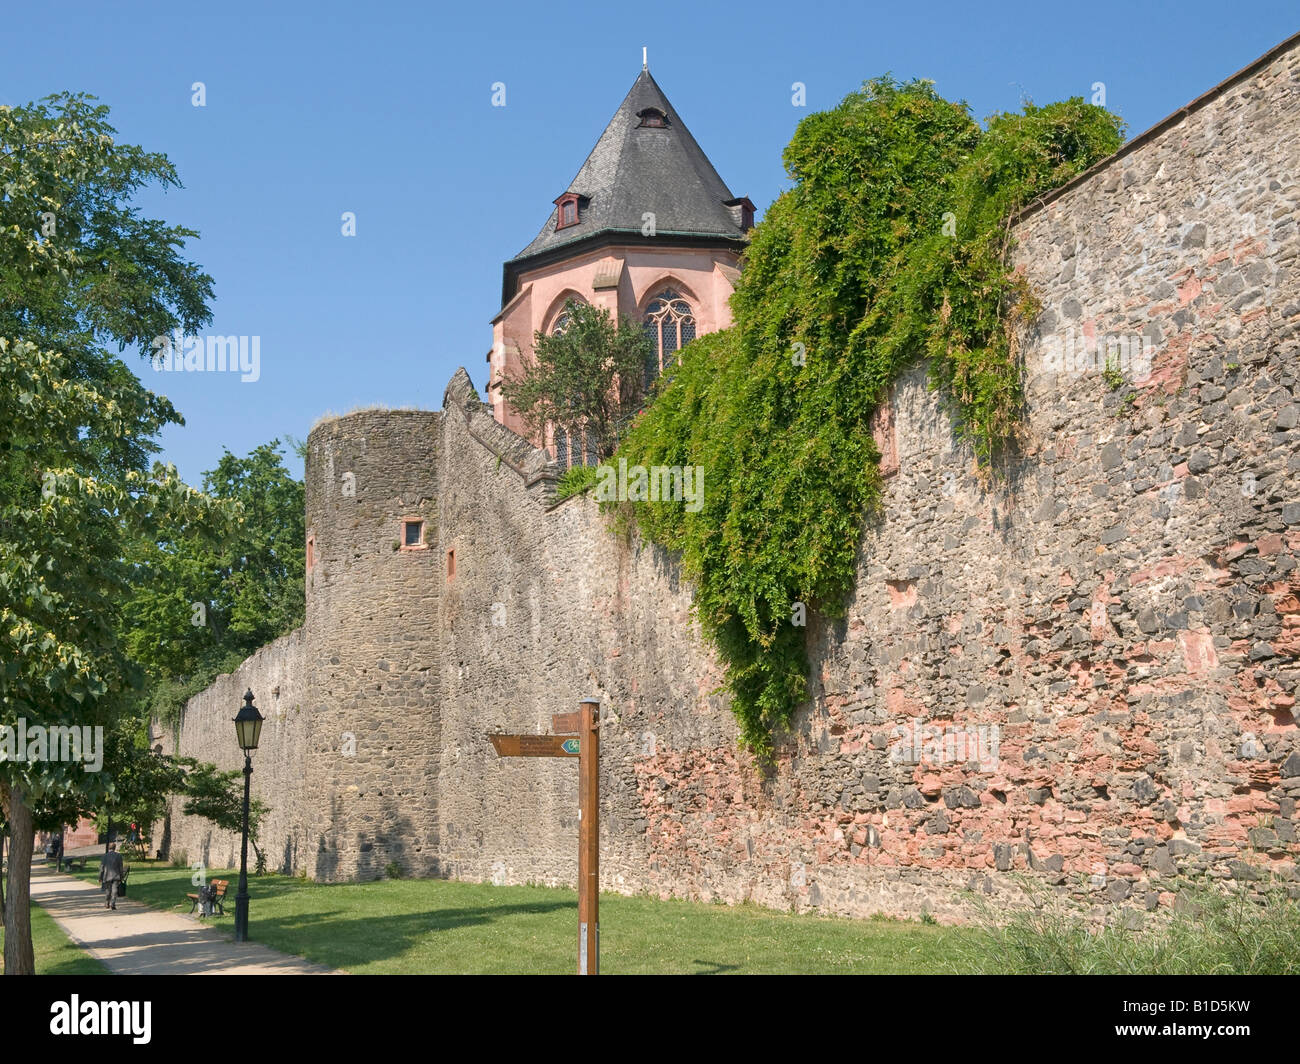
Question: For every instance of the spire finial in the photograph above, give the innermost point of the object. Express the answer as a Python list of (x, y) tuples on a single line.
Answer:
[(645, 63)]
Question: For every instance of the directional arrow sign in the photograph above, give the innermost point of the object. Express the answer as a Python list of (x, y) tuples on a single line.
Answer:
[(534, 746), (585, 746)]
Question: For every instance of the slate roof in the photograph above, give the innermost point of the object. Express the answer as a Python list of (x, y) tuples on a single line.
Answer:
[(634, 169)]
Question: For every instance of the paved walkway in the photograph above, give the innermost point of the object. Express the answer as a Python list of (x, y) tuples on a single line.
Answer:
[(137, 940)]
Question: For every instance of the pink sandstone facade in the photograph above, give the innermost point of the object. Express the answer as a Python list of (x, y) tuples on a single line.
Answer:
[(622, 280), (647, 217)]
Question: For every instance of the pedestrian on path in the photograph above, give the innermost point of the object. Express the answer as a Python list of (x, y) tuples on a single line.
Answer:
[(110, 874)]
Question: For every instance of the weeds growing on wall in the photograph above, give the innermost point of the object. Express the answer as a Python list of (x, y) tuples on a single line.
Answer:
[(574, 481), (892, 246)]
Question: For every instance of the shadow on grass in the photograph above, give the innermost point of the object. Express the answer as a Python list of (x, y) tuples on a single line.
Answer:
[(416, 926), (713, 968), (340, 939), (163, 886), (76, 966), (325, 929)]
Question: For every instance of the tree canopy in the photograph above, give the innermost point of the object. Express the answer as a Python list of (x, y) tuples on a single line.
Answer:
[(589, 377), (81, 272), (218, 796), (207, 593)]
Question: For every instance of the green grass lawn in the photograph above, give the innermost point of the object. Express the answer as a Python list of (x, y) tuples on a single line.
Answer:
[(56, 954), (425, 925)]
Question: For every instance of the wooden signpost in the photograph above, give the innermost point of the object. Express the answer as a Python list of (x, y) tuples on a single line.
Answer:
[(576, 735)]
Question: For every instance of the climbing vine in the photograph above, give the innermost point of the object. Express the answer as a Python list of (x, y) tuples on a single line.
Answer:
[(892, 246)]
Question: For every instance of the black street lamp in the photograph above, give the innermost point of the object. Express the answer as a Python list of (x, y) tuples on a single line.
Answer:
[(248, 729)]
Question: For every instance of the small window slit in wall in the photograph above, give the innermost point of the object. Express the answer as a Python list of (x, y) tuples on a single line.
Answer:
[(412, 534)]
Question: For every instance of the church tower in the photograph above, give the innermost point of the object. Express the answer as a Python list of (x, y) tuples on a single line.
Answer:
[(646, 229)]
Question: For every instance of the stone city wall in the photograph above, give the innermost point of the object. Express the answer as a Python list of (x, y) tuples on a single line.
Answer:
[(1111, 625), (1083, 670)]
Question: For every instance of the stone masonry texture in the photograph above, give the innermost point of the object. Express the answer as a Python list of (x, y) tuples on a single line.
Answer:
[(1095, 653)]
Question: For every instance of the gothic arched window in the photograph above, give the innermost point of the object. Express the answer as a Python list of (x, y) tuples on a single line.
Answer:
[(575, 447), (560, 323), (566, 446), (670, 324)]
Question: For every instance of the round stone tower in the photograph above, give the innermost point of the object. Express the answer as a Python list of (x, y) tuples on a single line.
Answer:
[(373, 598)]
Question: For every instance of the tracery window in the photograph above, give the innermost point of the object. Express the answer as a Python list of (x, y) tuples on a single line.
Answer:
[(575, 447), (669, 323), (561, 322), (569, 449)]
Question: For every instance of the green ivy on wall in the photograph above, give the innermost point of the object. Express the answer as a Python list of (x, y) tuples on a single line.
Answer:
[(892, 246)]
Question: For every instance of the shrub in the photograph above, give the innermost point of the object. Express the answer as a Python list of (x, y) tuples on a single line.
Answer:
[(574, 482), (892, 247)]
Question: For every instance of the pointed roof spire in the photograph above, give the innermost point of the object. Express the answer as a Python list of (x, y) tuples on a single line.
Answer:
[(645, 163), (645, 63)]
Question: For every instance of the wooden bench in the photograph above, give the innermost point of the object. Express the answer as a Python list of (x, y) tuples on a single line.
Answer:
[(218, 898), (75, 862)]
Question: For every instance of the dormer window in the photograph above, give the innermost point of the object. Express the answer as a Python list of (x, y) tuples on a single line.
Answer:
[(566, 210), (742, 210), (652, 118)]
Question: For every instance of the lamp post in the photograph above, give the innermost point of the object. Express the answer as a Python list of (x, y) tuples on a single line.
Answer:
[(248, 728)]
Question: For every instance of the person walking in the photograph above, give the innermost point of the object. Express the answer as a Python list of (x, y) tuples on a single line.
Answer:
[(110, 874)]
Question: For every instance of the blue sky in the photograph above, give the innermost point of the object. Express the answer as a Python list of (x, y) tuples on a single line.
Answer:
[(385, 110)]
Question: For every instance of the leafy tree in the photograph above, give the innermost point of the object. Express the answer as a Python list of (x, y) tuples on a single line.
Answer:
[(261, 567), (142, 780), (589, 376), (52, 812), (891, 247), (209, 593), (80, 271), (218, 796)]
